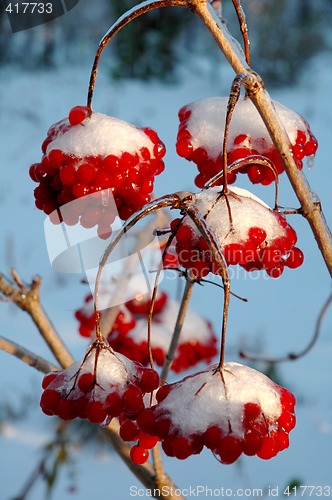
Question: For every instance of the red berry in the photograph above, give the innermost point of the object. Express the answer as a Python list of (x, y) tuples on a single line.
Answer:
[(184, 148), (56, 158), (252, 443), (282, 440), (86, 173), (287, 399), (162, 427), (133, 400), (68, 175), (257, 235), (269, 448), (163, 391), (229, 449), (128, 431), (295, 258), (139, 455), (149, 380), (212, 436), (256, 174), (275, 272), (287, 421), (66, 409), (114, 404), (251, 411), (184, 235), (86, 382), (147, 441), (96, 412), (182, 447), (146, 421), (49, 401), (48, 379), (77, 115)]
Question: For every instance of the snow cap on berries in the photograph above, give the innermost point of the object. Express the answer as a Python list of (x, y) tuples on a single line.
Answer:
[(101, 135), (101, 387), (247, 231), (201, 134), (238, 410), (103, 164)]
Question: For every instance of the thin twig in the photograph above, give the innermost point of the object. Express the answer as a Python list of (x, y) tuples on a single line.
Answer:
[(294, 356)]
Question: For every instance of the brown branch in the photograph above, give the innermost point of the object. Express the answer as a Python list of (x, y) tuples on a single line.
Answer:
[(27, 298), (28, 357), (256, 92)]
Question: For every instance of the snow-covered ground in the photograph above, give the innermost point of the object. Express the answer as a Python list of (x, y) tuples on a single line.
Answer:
[(280, 315)]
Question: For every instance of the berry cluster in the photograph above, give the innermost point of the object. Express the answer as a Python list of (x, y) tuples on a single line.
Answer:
[(248, 232), (201, 133), (237, 411), (123, 323), (129, 332), (104, 385), (96, 167)]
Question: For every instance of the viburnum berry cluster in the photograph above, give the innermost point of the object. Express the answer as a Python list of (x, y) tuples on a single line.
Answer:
[(238, 410), (128, 335), (105, 385), (201, 133), (248, 231), (105, 163)]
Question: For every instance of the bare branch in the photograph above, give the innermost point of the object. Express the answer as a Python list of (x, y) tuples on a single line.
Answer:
[(27, 298)]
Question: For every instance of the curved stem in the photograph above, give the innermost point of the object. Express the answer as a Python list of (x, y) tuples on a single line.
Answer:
[(261, 99), (245, 162), (126, 18), (243, 27)]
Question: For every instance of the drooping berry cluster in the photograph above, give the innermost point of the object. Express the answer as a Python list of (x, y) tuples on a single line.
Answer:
[(248, 232), (238, 411), (201, 133), (129, 332), (104, 385), (96, 167)]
